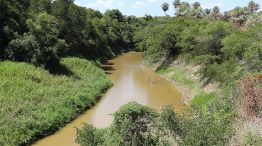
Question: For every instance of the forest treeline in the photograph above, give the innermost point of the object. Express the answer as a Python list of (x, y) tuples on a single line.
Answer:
[(42, 31)]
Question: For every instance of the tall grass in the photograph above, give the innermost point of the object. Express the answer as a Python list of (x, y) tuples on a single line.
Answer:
[(34, 102)]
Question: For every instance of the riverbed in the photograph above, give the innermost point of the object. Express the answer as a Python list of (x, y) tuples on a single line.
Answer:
[(133, 81)]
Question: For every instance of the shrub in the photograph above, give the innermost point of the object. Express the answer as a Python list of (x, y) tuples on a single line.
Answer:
[(133, 125), (251, 100), (198, 128), (90, 136), (244, 48)]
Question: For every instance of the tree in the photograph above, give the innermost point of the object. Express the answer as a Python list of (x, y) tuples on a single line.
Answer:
[(60, 9), (253, 20), (41, 45), (114, 14), (216, 10), (119, 30), (197, 11), (165, 7), (207, 11), (196, 5), (12, 21), (76, 26), (183, 9), (253, 7), (148, 17), (216, 15), (37, 6), (176, 4), (238, 15)]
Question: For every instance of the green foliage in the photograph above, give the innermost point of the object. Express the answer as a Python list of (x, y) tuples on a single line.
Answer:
[(245, 48), (158, 39), (90, 136), (222, 51), (198, 128), (170, 121), (133, 126), (202, 99), (133, 123), (37, 6), (41, 46), (12, 17), (34, 102), (161, 43)]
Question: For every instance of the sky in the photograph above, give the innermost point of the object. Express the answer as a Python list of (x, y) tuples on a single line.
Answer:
[(153, 7)]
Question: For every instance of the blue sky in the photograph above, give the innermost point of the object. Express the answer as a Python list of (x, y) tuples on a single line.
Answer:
[(153, 7)]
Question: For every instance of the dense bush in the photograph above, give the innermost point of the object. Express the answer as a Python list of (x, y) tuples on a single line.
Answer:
[(205, 129), (245, 48), (135, 124), (34, 102), (221, 50)]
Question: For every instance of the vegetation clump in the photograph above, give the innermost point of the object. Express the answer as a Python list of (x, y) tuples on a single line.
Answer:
[(135, 124), (35, 102)]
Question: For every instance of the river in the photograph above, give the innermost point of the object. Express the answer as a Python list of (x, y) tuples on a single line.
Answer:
[(132, 81)]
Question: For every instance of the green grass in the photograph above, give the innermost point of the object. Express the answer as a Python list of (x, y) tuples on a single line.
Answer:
[(34, 102), (180, 75), (201, 100)]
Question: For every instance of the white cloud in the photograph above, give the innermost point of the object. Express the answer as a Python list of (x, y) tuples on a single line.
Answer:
[(102, 3), (139, 4), (152, 1)]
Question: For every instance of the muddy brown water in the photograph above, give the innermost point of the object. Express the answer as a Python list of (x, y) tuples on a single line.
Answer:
[(132, 81)]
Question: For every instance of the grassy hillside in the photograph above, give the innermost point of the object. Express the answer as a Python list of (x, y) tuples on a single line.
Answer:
[(34, 102)]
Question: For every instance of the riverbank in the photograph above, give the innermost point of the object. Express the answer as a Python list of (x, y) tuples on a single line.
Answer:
[(186, 78), (35, 102)]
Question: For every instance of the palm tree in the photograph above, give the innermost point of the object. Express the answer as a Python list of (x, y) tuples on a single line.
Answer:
[(207, 11), (252, 7), (196, 5), (238, 15), (197, 11), (176, 3), (216, 15), (183, 9), (216, 10), (165, 7)]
